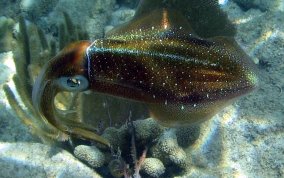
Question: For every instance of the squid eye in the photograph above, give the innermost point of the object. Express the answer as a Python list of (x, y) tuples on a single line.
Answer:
[(74, 83)]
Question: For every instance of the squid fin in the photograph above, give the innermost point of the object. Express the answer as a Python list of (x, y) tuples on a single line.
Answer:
[(170, 114), (205, 16)]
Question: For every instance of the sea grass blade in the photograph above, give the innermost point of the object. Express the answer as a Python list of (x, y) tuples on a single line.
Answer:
[(42, 38), (71, 29), (25, 39)]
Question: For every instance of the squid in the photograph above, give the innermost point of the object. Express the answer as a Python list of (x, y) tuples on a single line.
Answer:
[(185, 69)]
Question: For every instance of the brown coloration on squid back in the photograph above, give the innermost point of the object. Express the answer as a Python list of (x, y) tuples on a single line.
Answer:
[(177, 56), (183, 79), (72, 58)]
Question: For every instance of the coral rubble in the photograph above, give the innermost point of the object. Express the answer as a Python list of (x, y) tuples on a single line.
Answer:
[(263, 5), (165, 156), (153, 167), (243, 140), (92, 155)]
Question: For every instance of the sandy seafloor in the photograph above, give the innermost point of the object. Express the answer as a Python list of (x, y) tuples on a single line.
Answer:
[(246, 139)]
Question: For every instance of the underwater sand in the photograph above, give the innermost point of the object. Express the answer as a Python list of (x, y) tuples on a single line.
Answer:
[(246, 139)]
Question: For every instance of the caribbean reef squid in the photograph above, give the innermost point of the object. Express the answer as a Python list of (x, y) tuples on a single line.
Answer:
[(177, 57)]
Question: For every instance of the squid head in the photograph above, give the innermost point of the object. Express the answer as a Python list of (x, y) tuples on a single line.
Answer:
[(183, 74)]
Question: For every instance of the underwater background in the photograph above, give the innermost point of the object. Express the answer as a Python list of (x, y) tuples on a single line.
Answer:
[(246, 139)]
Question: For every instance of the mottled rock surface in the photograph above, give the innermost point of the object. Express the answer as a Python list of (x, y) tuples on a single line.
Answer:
[(261, 4), (38, 160), (246, 139)]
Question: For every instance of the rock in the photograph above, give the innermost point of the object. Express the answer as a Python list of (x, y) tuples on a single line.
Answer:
[(19, 160), (116, 136), (128, 3), (153, 167), (200, 173), (90, 154), (168, 150), (186, 136), (260, 4), (10, 8), (147, 130), (116, 167), (121, 15), (92, 16), (244, 140), (37, 8)]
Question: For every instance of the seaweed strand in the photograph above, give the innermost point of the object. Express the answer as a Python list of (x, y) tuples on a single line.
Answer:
[(42, 38), (25, 38)]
